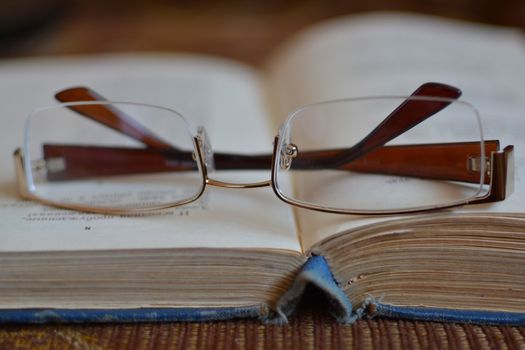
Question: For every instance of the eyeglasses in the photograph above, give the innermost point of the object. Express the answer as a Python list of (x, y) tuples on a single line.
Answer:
[(371, 155)]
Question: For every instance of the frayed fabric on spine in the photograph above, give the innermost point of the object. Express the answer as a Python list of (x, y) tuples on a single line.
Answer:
[(315, 272)]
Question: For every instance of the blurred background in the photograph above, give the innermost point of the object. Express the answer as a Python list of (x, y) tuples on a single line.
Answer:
[(244, 30)]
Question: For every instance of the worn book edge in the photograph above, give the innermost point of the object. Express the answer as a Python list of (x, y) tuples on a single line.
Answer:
[(315, 272)]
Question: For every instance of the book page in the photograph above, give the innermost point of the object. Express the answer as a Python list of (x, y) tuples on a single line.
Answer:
[(222, 96), (392, 54)]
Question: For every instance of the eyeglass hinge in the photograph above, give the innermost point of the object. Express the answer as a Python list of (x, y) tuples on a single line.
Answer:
[(474, 164), (502, 179)]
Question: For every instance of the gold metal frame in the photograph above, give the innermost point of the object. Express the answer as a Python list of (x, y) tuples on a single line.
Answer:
[(501, 186), (223, 184), (501, 167), (26, 193)]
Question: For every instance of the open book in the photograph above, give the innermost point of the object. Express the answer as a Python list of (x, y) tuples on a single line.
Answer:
[(244, 253)]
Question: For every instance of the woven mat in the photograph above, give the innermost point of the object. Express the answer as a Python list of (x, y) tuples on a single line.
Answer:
[(309, 330)]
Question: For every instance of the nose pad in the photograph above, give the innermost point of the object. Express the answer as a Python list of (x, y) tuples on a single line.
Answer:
[(288, 152), (206, 151)]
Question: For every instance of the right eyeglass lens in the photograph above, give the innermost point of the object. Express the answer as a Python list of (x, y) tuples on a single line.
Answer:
[(146, 160), (329, 156)]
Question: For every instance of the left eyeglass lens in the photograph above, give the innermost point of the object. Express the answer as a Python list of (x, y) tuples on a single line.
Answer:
[(323, 153), (145, 160)]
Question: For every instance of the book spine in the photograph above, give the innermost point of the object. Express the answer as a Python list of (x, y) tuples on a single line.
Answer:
[(315, 272), (446, 315), (39, 316)]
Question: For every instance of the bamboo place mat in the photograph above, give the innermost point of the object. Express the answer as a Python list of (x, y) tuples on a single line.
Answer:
[(309, 330)]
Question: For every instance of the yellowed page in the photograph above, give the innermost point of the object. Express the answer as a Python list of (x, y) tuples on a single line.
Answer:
[(220, 95), (392, 54)]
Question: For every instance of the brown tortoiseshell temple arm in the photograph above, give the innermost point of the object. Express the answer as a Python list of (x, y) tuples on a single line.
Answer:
[(406, 116), (449, 161), (110, 116), (445, 161), (462, 166), (358, 157)]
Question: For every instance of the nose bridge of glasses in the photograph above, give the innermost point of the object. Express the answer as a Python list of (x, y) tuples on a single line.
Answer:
[(206, 154), (218, 183)]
